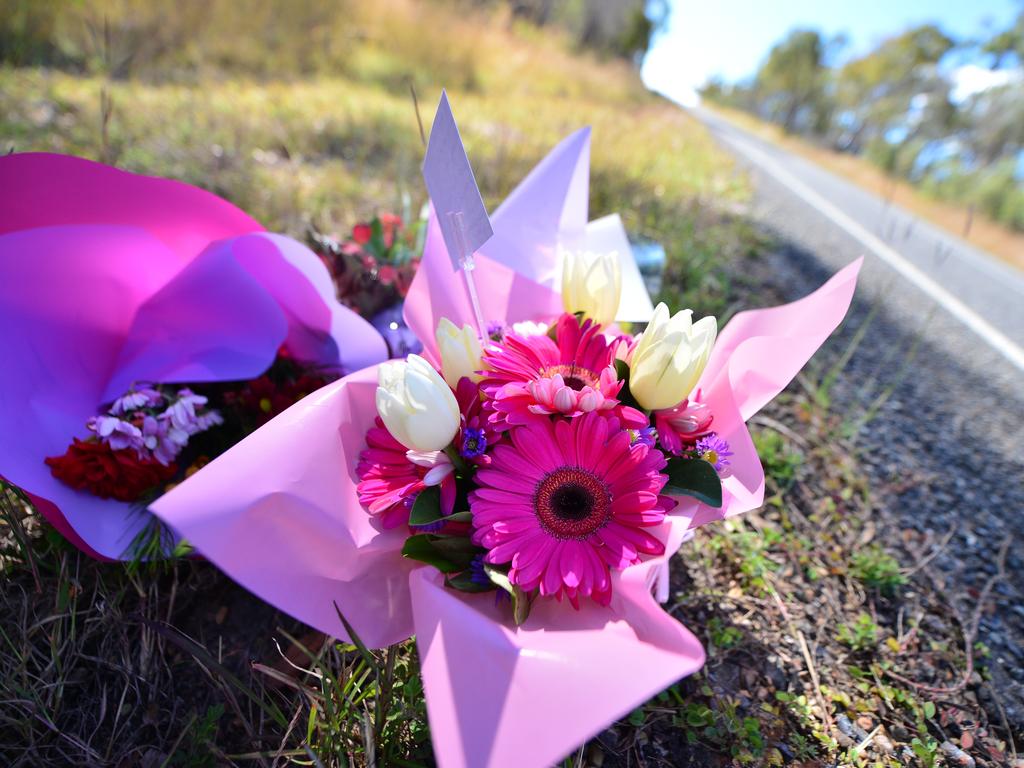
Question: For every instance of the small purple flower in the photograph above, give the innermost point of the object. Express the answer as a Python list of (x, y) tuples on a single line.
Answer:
[(714, 450), (474, 443), (645, 435), (477, 574), (495, 330)]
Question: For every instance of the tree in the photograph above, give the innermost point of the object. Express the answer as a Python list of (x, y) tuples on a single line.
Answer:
[(791, 82), (1008, 44), (896, 88), (994, 123)]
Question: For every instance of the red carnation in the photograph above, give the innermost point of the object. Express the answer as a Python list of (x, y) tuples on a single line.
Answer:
[(92, 466)]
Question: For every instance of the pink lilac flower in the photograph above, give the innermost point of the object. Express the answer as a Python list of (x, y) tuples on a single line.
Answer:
[(153, 435), (389, 481), (182, 412), (528, 376), (158, 441), (682, 425), (208, 420), (136, 399), (714, 450), (567, 501), (117, 433)]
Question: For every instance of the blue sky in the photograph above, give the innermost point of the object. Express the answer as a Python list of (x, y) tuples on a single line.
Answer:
[(732, 37)]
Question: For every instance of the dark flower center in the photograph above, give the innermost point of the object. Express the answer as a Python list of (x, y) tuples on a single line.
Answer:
[(572, 503), (574, 376)]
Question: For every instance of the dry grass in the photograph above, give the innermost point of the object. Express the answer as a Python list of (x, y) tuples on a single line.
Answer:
[(958, 220), (338, 143)]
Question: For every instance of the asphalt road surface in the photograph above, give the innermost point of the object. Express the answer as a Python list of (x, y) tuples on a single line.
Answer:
[(943, 331), (986, 296)]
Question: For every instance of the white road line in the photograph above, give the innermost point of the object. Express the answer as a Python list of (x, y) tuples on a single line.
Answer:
[(981, 327)]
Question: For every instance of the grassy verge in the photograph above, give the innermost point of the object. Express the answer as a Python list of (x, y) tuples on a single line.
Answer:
[(958, 220), (828, 643)]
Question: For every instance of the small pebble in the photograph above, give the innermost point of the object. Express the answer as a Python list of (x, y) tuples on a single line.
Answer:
[(957, 755)]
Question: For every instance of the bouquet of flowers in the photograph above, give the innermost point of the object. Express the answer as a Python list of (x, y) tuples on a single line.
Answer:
[(541, 455), (146, 327), (540, 462), (373, 268)]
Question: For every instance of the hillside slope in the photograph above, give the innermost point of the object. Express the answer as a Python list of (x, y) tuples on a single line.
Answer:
[(306, 115)]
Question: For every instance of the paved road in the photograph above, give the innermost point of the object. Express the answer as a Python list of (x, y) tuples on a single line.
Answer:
[(945, 450), (983, 294)]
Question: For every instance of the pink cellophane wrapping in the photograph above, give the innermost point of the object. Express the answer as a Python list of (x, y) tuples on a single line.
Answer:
[(108, 278), (279, 514)]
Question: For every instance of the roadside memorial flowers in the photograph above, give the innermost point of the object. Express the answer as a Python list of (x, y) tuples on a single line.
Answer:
[(509, 496)]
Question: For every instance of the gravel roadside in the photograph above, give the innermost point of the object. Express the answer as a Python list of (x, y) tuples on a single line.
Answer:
[(944, 448)]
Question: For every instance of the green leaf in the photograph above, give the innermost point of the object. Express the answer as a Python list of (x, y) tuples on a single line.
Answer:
[(464, 583), (498, 574), (520, 600), (625, 396), (449, 554), (427, 507), (421, 547), (929, 709), (459, 549), (377, 246), (696, 478)]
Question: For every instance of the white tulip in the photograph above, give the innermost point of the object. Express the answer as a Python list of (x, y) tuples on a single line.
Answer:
[(670, 357), (592, 284), (416, 406), (460, 352)]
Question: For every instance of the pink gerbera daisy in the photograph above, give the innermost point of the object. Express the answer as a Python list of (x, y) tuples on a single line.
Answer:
[(527, 376), (568, 500), (390, 477)]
